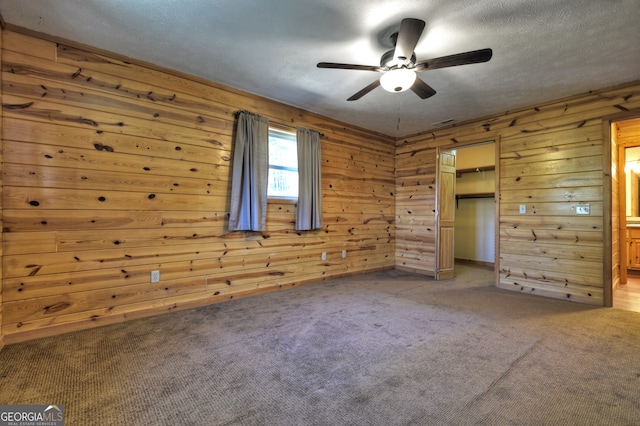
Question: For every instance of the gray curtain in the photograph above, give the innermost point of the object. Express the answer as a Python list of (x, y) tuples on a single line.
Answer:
[(309, 213), (249, 180)]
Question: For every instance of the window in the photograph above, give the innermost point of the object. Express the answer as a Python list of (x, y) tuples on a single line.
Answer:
[(283, 164)]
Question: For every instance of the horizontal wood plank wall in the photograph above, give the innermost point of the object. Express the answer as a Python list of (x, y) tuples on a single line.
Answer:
[(551, 158), (2, 340), (415, 207), (113, 169), (628, 132)]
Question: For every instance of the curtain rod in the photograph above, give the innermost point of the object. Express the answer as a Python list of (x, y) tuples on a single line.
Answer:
[(288, 126)]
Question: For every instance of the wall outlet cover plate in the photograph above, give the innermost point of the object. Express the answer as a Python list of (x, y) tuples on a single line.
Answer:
[(583, 208)]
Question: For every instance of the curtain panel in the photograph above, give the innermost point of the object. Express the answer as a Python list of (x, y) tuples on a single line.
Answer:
[(309, 212), (248, 210)]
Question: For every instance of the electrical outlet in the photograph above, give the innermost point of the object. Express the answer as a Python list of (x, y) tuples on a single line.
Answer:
[(324, 255), (583, 208), (155, 277), (344, 254), (523, 209)]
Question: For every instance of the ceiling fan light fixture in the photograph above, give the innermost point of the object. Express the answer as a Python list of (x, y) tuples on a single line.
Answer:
[(398, 80)]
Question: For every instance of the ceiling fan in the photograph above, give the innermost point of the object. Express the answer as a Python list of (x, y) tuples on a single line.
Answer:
[(399, 66)]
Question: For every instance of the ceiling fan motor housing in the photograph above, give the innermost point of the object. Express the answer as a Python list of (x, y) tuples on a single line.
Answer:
[(388, 61)]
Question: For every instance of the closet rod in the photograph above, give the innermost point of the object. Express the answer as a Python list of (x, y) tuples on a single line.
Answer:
[(286, 126)]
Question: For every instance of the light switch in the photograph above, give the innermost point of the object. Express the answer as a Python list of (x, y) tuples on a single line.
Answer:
[(523, 209)]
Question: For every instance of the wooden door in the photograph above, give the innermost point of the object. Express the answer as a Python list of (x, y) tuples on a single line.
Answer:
[(445, 213)]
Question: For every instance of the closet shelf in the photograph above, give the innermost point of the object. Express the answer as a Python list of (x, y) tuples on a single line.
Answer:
[(476, 195), (460, 172)]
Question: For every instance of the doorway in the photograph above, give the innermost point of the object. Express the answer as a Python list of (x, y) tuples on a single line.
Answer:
[(469, 233), (625, 136)]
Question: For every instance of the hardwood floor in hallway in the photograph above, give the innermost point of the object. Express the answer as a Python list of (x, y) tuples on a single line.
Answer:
[(627, 296)]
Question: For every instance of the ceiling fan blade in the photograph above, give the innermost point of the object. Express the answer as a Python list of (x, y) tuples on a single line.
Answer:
[(364, 91), (408, 36), (349, 66), (422, 89), (473, 57)]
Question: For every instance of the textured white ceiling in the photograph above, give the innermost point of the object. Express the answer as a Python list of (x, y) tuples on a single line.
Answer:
[(543, 49)]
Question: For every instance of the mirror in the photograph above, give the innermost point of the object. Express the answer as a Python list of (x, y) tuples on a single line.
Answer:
[(632, 173), (632, 196)]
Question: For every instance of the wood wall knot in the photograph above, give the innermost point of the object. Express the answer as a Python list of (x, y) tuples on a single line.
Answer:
[(88, 121), (35, 269), (100, 147), (56, 307), (17, 106)]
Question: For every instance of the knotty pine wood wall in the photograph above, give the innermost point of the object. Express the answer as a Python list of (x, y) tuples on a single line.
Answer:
[(113, 168), (627, 132), (2, 339), (552, 157)]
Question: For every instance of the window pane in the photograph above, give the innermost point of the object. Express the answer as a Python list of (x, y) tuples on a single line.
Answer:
[(283, 183), (283, 164), (283, 152)]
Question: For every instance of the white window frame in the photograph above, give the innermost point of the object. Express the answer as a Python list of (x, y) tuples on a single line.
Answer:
[(275, 132)]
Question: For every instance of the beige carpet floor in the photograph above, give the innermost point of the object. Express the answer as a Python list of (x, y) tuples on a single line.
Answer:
[(390, 348)]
